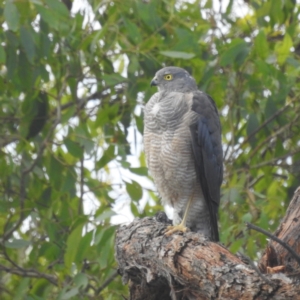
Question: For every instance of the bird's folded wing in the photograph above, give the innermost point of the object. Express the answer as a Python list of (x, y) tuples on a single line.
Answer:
[(207, 150)]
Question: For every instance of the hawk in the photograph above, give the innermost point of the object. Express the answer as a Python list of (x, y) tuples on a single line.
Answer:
[(182, 143)]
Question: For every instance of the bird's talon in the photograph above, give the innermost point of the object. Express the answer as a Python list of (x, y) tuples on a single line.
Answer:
[(175, 228)]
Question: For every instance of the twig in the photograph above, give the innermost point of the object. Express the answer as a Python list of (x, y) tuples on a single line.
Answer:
[(80, 204), (276, 239), (24, 171), (7, 258), (17, 270), (274, 160), (107, 282), (8, 233), (253, 133), (273, 135), (278, 112), (29, 273)]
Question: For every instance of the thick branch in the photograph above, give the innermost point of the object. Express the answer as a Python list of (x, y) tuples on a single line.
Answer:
[(187, 266), (288, 232)]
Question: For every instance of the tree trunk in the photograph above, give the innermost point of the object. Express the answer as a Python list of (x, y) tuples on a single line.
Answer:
[(187, 266)]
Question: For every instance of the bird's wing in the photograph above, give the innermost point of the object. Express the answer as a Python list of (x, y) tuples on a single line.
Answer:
[(207, 150)]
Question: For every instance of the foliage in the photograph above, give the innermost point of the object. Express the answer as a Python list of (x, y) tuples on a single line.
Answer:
[(93, 66)]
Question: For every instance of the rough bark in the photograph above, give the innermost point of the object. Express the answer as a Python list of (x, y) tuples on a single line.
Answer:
[(276, 257), (187, 266)]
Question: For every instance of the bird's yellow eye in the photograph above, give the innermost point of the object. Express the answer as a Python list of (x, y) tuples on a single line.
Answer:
[(168, 77)]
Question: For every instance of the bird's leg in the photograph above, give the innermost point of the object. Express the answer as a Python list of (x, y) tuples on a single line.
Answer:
[(182, 226)]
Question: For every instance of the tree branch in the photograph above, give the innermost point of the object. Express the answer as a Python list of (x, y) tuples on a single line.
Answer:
[(274, 238), (276, 255), (188, 266), (106, 282), (29, 273), (266, 122)]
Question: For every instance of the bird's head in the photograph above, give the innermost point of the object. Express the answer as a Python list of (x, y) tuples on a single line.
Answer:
[(174, 79)]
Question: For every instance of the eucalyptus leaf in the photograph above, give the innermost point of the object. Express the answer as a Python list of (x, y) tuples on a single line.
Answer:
[(178, 54), (11, 15), (17, 244)]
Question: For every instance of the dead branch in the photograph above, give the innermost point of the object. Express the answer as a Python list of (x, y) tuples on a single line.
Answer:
[(188, 266), (288, 232)]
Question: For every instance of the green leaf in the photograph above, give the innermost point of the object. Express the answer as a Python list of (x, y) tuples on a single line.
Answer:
[(73, 242), (232, 195), (55, 170), (237, 51), (283, 49), (139, 123), (58, 7), (65, 295), (21, 288), (11, 63), (134, 190), (276, 12), (133, 31), (270, 109), (68, 113), (107, 156), (252, 125), (38, 287), (107, 114), (105, 215), (134, 209), (247, 217), (47, 16), (28, 43), (24, 71), (81, 280), (113, 79), (17, 244), (147, 12), (2, 55), (178, 54), (74, 148), (143, 171), (103, 235), (261, 45), (293, 62), (236, 245), (69, 182), (11, 15), (84, 246)]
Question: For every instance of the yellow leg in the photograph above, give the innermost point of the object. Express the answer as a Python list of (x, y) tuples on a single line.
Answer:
[(182, 226)]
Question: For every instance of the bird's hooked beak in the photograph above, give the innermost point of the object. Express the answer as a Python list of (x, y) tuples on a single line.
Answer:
[(154, 82)]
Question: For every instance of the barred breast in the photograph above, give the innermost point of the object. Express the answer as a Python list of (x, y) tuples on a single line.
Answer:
[(169, 154)]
